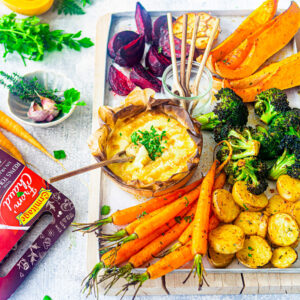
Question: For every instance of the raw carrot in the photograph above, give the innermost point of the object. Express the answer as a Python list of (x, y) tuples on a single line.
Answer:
[(165, 265), (10, 148), (201, 221), (127, 215), (167, 214), (12, 126)]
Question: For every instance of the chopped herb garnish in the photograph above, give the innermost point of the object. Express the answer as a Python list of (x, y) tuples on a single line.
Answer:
[(120, 133), (105, 210), (250, 248), (151, 140), (159, 49), (169, 120), (249, 254), (142, 214), (188, 219), (246, 208), (19, 194), (59, 154), (187, 201), (178, 219)]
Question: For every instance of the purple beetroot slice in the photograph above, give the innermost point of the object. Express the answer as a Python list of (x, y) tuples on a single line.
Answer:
[(132, 53), (144, 79), (119, 83), (156, 62), (119, 40), (160, 22), (164, 44), (143, 22)]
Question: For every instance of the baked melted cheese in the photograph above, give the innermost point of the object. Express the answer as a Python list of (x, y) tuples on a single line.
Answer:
[(178, 150)]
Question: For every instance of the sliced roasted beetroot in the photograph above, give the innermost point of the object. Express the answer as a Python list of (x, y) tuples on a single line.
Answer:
[(118, 82), (160, 22), (119, 40), (164, 43), (132, 53), (143, 22), (156, 62), (144, 79)]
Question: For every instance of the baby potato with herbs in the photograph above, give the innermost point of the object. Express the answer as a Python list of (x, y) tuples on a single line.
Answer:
[(219, 260), (224, 206), (288, 188), (247, 200), (278, 205), (283, 257), (283, 230), (255, 253), (253, 223), (227, 239)]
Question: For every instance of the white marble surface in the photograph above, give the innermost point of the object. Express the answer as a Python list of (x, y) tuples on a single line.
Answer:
[(60, 273)]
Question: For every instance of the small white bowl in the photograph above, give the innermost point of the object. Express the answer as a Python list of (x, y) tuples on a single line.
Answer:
[(49, 79)]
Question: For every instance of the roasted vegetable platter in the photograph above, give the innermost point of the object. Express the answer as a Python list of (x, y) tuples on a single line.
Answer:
[(103, 190)]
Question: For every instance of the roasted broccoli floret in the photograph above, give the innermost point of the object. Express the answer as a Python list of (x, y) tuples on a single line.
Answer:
[(289, 161), (241, 141), (250, 170), (269, 143), (230, 109), (270, 103)]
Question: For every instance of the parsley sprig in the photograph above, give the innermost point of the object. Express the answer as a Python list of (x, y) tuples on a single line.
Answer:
[(151, 140), (31, 39), (71, 7)]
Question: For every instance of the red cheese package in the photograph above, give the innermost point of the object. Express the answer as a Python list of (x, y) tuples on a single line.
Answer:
[(24, 198)]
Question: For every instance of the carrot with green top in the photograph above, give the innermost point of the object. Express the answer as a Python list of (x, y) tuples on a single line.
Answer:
[(152, 249), (119, 255), (201, 222), (167, 264), (161, 218), (128, 215), (12, 126)]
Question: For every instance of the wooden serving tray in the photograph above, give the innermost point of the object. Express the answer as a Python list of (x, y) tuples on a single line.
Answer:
[(234, 280)]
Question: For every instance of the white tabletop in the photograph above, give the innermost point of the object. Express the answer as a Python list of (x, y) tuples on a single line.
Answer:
[(60, 273)]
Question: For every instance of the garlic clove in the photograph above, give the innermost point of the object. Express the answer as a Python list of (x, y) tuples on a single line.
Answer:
[(37, 113)]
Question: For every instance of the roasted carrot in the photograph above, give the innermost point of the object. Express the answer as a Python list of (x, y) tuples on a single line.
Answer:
[(152, 249), (127, 215), (220, 181), (201, 222), (119, 255), (10, 148), (161, 218), (165, 265), (12, 126)]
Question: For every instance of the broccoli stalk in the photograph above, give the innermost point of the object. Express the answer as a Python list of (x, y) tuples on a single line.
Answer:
[(250, 170), (271, 103), (230, 109)]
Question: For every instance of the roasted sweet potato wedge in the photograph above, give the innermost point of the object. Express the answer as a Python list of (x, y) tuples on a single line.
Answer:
[(257, 18), (282, 75), (267, 43), (205, 27)]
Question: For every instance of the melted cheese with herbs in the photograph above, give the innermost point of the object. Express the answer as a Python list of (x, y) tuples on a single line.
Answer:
[(179, 148)]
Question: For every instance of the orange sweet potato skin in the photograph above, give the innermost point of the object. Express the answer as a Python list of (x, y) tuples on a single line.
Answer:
[(282, 75), (276, 35), (257, 18)]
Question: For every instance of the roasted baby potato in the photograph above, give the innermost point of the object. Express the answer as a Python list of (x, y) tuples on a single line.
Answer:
[(219, 260), (253, 223), (227, 239), (224, 206), (295, 211), (278, 205), (255, 253), (247, 200), (283, 257), (282, 229), (288, 188)]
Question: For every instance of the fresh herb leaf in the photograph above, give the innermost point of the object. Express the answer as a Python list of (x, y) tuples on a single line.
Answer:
[(59, 154), (159, 49), (250, 248), (71, 98), (249, 254), (19, 194), (188, 219), (178, 219), (144, 213), (47, 298), (187, 201), (105, 210), (151, 140), (70, 7), (31, 39)]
